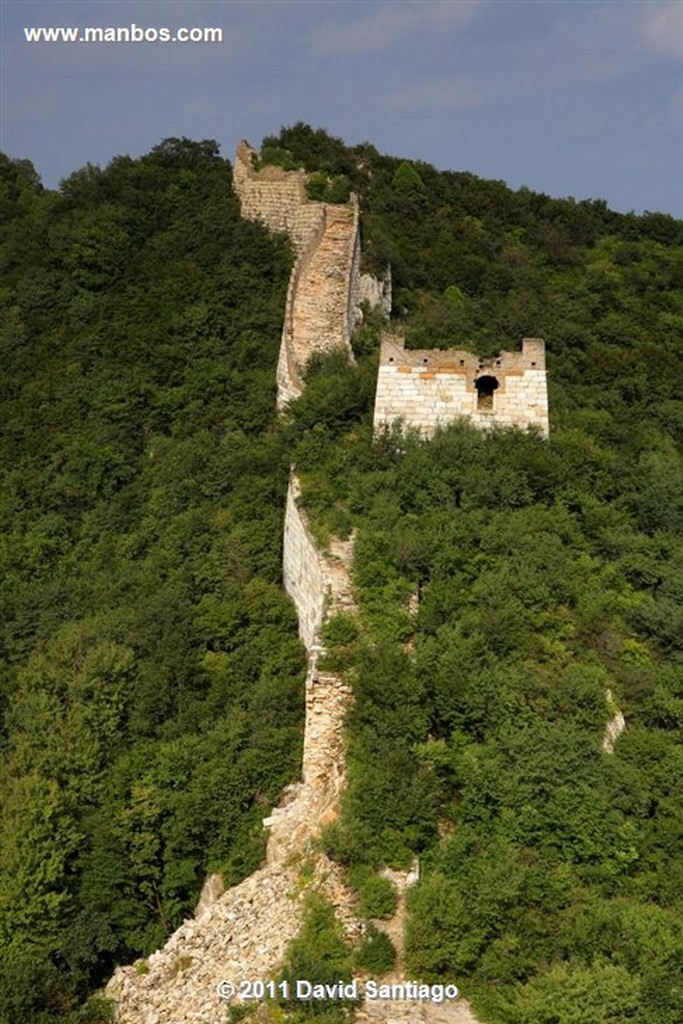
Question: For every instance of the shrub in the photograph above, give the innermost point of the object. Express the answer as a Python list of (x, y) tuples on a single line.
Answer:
[(316, 186), (376, 952), (319, 955), (323, 189), (340, 630), (339, 190), (98, 1011), (377, 895)]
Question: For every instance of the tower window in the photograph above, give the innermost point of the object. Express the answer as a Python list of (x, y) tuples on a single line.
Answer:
[(485, 387)]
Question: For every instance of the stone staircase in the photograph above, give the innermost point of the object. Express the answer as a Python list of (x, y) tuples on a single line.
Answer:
[(320, 308), (243, 933)]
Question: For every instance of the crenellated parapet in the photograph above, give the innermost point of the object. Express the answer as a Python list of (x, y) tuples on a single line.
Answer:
[(428, 388)]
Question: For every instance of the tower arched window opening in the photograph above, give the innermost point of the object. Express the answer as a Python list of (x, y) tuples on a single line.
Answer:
[(485, 386)]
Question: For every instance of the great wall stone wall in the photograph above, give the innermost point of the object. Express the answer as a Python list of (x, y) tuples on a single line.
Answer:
[(320, 587), (431, 387), (324, 289), (244, 931)]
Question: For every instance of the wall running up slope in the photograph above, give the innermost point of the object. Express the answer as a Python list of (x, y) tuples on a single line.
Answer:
[(243, 933), (324, 288)]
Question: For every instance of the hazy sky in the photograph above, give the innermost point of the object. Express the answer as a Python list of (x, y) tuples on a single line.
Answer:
[(569, 98)]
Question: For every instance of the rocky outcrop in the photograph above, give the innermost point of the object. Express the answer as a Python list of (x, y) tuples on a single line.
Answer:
[(615, 726), (376, 292)]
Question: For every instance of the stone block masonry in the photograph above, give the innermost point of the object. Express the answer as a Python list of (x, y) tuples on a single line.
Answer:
[(243, 933), (324, 287), (428, 388), (277, 198), (320, 587), (303, 570)]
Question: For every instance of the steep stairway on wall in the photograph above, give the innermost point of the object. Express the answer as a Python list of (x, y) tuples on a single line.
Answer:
[(320, 305), (243, 933), (324, 288)]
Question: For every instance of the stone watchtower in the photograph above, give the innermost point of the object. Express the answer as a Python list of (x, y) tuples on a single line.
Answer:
[(427, 388)]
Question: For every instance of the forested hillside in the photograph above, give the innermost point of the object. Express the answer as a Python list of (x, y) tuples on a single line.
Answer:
[(549, 577), (151, 676), (151, 672)]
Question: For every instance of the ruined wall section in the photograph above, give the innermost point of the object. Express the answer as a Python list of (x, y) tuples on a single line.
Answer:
[(303, 570), (353, 313), (276, 198), (427, 388), (244, 932), (324, 286), (288, 376), (320, 587)]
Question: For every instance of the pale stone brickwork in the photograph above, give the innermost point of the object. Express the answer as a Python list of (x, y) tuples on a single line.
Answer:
[(303, 571), (324, 286), (243, 932), (320, 586), (275, 197), (427, 388)]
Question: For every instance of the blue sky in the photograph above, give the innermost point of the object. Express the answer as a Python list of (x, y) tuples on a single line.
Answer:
[(569, 98)]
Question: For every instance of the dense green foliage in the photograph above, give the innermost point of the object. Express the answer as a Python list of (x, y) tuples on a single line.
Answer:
[(376, 953), (604, 288), (319, 955), (150, 669), (542, 583), (377, 895), (547, 574), (325, 183), (151, 675)]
